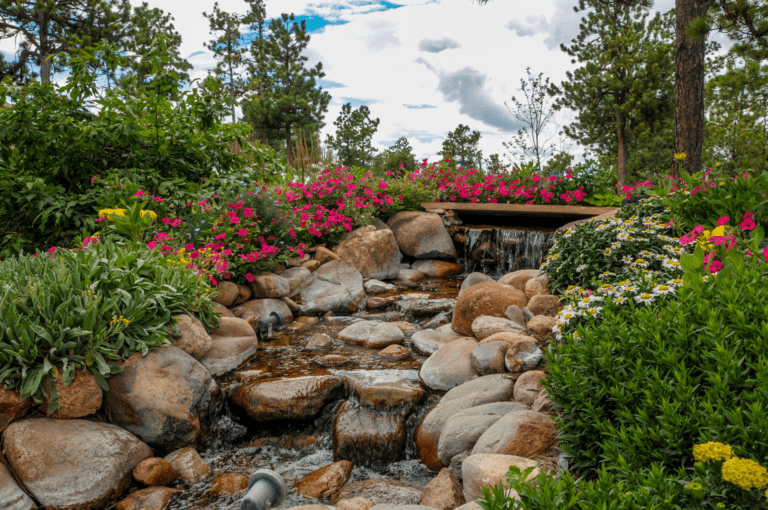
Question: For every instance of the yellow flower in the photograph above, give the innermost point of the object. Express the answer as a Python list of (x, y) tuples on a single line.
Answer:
[(151, 214), (717, 164), (746, 473), (702, 240), (679, 156), (693, 486), (712, 451), (106, 213)]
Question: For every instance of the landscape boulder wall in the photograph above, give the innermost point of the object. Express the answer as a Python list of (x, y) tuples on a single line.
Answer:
[(73, 464), (373, 252), (422, 235), (164, 398), (487, 298)]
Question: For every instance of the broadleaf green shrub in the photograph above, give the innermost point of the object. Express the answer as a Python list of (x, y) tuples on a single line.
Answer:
[(64, 311), (646, 383)]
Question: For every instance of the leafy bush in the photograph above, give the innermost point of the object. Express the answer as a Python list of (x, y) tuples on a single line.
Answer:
[(645, 383), (82, 309)]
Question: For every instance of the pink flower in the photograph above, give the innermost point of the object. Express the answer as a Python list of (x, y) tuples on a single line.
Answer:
[(249, 277), (698, 229), (176, 222), (52, 249), (765, 254), (167, 221), (189, 247), (158, 199), (93, 179), (723, 221), (747, 223), (138, 193), (686, 240), (242, 232), (151, 245), (100, 219), (234, 220), (221, 236)]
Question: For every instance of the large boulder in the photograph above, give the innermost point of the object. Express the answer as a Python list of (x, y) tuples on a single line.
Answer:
[(380, 491), (233, 326), (12, 407), (437, 268), (473, 279), (461, 433), (372, 334), (298, 278), (429, 341), (73, 464), (226, 293), (261, 308), (422, 235), (449, 366), (485, 326), (11, 495), (518, 279), (82, 397), (486, 470), (487, 298), (374, 253), (194, 340), (522, 433), (339, 272), (385, 389), (366, 437), (321, 296), (269, 285), (229, 352), (537, 286), (292, 398), (545, 304), (164, 398)]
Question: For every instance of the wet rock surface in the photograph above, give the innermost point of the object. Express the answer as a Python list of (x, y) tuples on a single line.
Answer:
[(449, 366), (366, 437), (153, 498), (296, 398), (323, 483), (487, 298), (380, 491), (421, 235), (372, 334)]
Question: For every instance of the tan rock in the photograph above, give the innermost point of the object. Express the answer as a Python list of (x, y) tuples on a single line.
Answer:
[(226, 293), (82, 397), (311, 265), (270, 285), (332, 360), (515, 314), (443, 492), (11, 407), (488, 298), (397, 352), (380, 490), (354, 504), (421, 235), (367, 436), (485, 326), (528, 387), (11, 495), (224, 311), (507, 337), (188, 463), (522, 355), (409, 276), (375, 254), (244, 294), (260, 308), (521, 433), (293, 398), (518, 279), (324, 255), (194, 340), (449, 366), (323, 483), (545, 304), (405, 327), (372, 334), (537, 286), (154, 472), (437, 268), (229, 484), (153, 498), (486, 470), (293, 305), (541, 327), (233, 327), (377, 303), (542, 404)]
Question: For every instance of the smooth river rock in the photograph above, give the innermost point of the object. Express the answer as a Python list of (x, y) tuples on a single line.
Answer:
[(421, 235), (380, 491), (385, 389), (261, 308), (375, 287), (461, 433), (522, 433), (194, 340), (340, 273), (528, 386), (292, 398), (321, 296), (487, 298), (518, 279), (323, 483), (372, 334), (473, 279), (374, 253), (485, 326), (81, 398), (494, 387), (437, 268), (444, 492), (165, 398), (485, 470), (228, 353), (73, 464), (449, 366), (429, 341), (152, 498), (522, 355), (489, 358), (11, 495)]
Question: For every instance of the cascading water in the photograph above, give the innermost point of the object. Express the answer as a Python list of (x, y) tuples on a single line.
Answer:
[(498, 251)]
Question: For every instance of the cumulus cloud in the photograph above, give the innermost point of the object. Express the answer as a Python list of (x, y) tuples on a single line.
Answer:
[(531, 26), (562, 27), (438, 45), (381, 36)]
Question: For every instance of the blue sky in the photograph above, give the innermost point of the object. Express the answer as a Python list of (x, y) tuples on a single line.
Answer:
[(421, 66)]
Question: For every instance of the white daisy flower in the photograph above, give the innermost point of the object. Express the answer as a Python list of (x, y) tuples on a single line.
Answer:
[(623, 236), (675, 282), (646, 253), (640, 263), (594, 310), (616, 245), (619, 300), (581, 268), (568, 233), (607, 252), (663, 289), (644, 298), (672, 264), (627, 259)]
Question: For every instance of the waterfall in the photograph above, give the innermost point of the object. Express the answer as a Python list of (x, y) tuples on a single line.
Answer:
[(498, 251)]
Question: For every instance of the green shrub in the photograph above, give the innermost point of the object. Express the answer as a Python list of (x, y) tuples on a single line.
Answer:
[(64, 311), (646, 383)]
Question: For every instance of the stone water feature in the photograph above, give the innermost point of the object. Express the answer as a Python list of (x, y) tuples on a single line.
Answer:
[(415, 390)]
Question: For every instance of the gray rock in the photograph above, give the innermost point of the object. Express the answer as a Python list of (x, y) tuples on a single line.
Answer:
[(321, 296), (261, 308), (319, 343), (340, 273), (485, 326), (378, 287), (474, 279), (429, 341), (461, 433), (422, 235), (11, 495), (73, 464), (380, 491), (522, 433), (456, 461), (522, 355), (495, 387), (372, 334), (229, 352), (421, 307), (489, 358), (516, 314), (164, 398), (449, 366), (438, 321), (298, 278)]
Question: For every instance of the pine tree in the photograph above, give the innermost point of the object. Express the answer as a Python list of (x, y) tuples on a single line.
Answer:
[(622, 91), (289, 99), (229, 50), (397, 158), (354, 130), (257, 63), (462, 146), (52, 27)]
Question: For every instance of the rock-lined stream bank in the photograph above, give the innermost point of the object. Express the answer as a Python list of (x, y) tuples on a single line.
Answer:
[(397, 379)]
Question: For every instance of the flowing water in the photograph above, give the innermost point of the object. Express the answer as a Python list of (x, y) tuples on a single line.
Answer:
[(295, 449)]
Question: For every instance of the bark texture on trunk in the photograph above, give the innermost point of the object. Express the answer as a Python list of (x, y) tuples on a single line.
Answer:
[(689, 85), (288, 157), (623, 149)]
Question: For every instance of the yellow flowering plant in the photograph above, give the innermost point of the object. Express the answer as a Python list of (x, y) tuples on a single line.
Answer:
[(131, 221)]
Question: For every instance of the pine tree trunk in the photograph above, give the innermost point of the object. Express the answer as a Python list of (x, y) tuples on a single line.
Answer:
[(623, 150), (689, 85), (45, 63), (288, 145)]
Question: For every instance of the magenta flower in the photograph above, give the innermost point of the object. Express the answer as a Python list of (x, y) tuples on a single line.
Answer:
[(151, 245), (242, 232), (138, 193), (158, 199), (52, 249), (249, 277), (723, 221)]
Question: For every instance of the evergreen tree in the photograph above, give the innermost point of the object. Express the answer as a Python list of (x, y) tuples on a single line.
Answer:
[(52, 27), (229, 50), (494, 164), (622, 92), (354, 130), (289, 99), (257, 63), (737, 116), (401, 153), (462, 146)]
